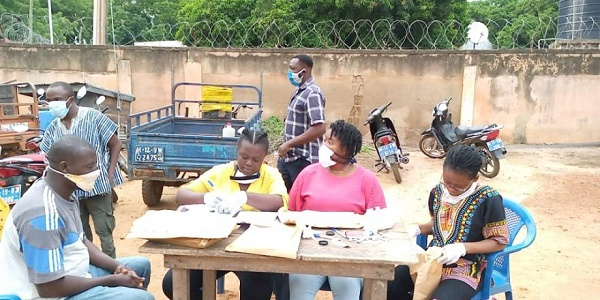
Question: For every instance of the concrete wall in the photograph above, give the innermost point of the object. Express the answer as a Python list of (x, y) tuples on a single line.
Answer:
[(540, 97)]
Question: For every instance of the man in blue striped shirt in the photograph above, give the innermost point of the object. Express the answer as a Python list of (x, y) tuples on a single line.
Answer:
[(101, 132)]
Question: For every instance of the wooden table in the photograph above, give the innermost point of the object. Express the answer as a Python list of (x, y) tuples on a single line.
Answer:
[(373, 260)]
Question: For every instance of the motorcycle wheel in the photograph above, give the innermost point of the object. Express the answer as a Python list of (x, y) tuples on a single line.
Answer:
[(430, 146), (491, 164), (396, 170), (151, 192)]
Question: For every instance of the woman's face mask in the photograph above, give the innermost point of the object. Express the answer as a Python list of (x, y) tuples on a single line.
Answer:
[(325, 155), (241, 178), (59, 108), (295, 78), (447, 198)]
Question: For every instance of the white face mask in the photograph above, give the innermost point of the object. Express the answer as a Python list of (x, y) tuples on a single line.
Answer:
[(447, 198), (325, 155), (59, 108), (85, 181), (241, 178)]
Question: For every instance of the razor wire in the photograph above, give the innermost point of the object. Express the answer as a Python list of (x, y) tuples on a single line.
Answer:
[(382, 34)]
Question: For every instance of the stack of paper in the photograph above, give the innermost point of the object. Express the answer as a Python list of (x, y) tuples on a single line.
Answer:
[(163, 224), (321, 219)]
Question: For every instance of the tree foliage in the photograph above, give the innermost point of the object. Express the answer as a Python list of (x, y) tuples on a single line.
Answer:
[(285, 23), (517, 23)]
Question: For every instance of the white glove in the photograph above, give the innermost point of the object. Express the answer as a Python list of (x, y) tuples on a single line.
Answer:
[(413, 231), (213, 198), (451, 253), (232, 203)]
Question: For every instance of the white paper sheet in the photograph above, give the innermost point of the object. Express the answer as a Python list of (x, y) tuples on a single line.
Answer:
[(259, 218), (162, 224), (321, 219)]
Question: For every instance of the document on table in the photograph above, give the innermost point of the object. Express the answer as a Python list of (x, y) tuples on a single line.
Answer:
[(320, 219), (260, 218), (278, 240), (163, 224)]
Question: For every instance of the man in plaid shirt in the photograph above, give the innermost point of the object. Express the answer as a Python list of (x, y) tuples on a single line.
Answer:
[(304, 130), (304, 121)]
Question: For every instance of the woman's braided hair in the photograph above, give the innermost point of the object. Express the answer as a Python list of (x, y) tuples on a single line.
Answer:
[(464, 159), (255, 137), (349, 136)]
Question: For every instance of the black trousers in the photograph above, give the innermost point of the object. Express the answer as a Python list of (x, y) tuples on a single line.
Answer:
[(289, 171), (402, 286), (253, 285)]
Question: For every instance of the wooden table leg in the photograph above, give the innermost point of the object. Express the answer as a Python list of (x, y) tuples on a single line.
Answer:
[(209, 284), (374, 289), (181, 284)]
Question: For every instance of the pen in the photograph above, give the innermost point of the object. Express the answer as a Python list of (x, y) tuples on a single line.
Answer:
[(212, 185), (339, 233)]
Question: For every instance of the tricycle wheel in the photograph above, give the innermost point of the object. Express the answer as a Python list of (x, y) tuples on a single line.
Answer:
[(151, 192)]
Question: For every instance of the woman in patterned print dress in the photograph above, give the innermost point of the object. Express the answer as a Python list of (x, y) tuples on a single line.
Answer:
[(467, 221)]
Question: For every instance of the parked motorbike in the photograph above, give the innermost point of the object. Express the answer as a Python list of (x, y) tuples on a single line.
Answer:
[(442, 135), (386, 142)]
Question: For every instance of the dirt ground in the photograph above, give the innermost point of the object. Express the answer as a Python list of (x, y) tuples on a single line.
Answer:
[(559, 185)]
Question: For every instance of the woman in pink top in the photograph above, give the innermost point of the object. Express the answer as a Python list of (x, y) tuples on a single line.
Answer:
[(336, 183)]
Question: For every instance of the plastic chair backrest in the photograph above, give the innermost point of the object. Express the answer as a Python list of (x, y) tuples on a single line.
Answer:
[(516, 217)]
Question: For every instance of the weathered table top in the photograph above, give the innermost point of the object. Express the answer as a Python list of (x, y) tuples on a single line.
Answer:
[(396, 249)]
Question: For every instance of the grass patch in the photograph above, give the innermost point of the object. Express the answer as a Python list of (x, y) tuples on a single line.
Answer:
[(274, 128)]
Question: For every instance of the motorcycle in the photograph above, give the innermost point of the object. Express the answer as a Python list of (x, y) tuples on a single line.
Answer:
[(442, 135), (18, 173), (386, 142)]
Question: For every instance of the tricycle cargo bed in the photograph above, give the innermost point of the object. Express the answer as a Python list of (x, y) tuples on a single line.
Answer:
[(165, 146), (163, 149), (187, 126)]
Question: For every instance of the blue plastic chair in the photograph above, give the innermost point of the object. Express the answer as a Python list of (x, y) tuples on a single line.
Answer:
[(497, 276)]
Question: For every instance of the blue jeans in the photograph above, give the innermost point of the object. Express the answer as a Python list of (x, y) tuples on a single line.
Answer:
[(305, 287), (140, 265)]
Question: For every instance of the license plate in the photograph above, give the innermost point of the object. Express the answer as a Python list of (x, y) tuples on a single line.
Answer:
[(495, 144), (149, 154), (387, 150), (10, 194)]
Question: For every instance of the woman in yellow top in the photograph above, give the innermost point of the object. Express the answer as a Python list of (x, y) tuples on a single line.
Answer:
[(247, 184)]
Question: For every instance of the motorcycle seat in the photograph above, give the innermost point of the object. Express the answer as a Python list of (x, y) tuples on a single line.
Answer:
[(464, 130)]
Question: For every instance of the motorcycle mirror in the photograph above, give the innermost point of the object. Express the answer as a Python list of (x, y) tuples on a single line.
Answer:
[(100, 100), (40, 92), (81, 93)]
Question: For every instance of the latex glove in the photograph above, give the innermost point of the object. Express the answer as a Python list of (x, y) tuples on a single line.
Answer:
[(451, 253), (232, 203), (212, 199), (413, 231)]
